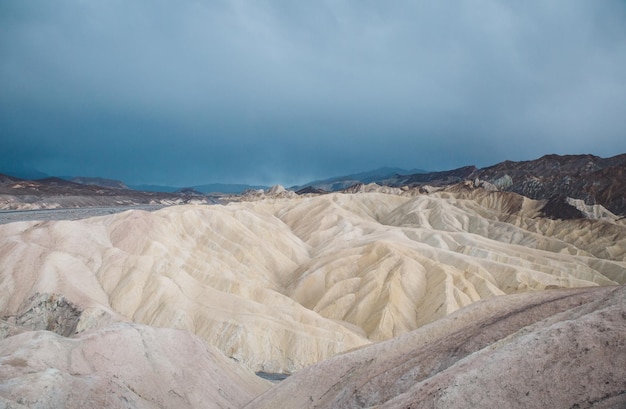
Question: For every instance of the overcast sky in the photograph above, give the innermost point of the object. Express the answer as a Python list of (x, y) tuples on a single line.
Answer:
[(187, 92)]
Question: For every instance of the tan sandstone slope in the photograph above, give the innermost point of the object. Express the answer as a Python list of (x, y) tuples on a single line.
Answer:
[(282, 284), (552, 349)]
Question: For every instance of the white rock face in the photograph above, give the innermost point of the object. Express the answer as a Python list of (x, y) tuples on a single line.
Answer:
[(592, 211), (276, 189), (121, 366), (375, 188), (503, 182), (280, 284)]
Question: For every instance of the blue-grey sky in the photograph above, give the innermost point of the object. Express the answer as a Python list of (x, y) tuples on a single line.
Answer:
[(261, 91)]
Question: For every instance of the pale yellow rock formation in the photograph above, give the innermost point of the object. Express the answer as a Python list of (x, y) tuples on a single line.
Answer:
[(280, 284)]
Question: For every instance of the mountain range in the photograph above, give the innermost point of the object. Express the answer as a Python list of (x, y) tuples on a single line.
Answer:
[(591, 179), (587, 178), (206, 188)]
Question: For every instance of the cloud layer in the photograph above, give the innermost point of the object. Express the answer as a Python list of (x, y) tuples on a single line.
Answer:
[(269, 91)]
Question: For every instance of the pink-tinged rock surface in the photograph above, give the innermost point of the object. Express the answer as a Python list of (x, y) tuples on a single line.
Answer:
[(554, 349), (120, 366)]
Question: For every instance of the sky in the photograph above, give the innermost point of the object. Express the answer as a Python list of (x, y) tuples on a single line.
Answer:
[(278, 91)]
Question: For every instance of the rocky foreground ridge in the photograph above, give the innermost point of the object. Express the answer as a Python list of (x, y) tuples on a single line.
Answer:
[(76, 358), (558, 349)]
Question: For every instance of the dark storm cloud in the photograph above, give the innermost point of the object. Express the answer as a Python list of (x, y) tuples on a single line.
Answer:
[(275, 91)]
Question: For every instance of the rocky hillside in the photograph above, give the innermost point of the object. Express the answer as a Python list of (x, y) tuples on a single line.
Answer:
[(589, 178)]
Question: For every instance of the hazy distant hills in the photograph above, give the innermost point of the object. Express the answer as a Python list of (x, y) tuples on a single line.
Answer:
[(116, 184), (20, 171), (53, 193), (201, 189), (381, 176), (207, 188), (30, 174), (558, 179)]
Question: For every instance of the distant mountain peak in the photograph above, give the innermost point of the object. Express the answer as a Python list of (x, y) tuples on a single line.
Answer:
[(97, 181)]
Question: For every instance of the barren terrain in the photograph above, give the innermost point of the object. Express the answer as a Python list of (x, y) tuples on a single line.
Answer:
[(279, 284)]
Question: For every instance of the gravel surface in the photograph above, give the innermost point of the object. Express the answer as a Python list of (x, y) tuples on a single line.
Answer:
[(10, 216)]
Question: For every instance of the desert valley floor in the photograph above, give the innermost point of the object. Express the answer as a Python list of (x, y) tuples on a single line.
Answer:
[(458, 298)]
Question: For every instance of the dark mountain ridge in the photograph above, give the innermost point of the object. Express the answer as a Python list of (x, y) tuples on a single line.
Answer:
[(590, 178), (587, 177)]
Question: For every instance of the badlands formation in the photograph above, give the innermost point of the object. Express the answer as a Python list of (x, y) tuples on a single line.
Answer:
[(179, 307), (552, 349)]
